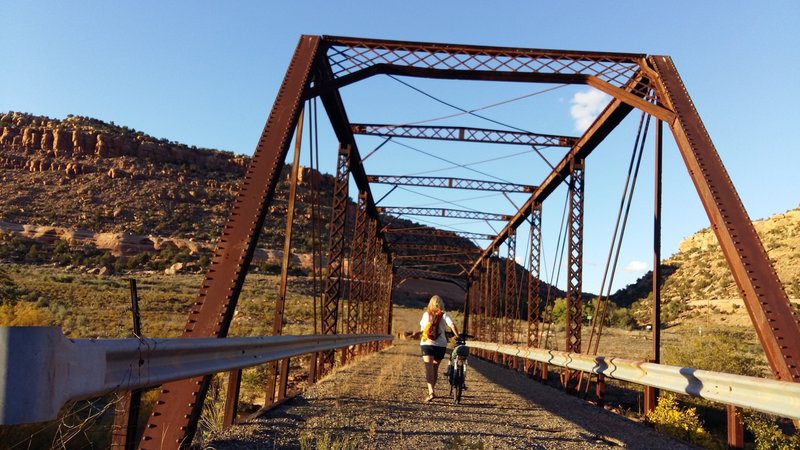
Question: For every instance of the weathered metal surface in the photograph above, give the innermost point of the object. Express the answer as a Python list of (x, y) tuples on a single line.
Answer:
[(770, 396), (126, 412), (358, 262), (434, 248), (42, 369), (534, 276), (575, 258), (464, 134), (449, 182), (354, 59), (438, 233), (333, 286), (764, 297), (441, 212)]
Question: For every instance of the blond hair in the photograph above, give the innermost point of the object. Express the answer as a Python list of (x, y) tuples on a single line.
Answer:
[(435, 305)]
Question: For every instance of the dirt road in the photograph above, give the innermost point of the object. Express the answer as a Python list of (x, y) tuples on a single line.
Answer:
[(501, 410)]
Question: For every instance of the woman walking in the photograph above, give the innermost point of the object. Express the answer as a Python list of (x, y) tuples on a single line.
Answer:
[(433, 324)]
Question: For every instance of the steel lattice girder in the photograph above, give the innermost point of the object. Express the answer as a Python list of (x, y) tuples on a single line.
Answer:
[(575, 258), (464, 134), (438, 233), (534, 280), (452, 183), (442, 212), (511, 289), (434, 247), (440, 257), (333, 286)]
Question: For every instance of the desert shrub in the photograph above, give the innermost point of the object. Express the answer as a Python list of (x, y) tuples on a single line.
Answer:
[(768, 435), (24, 314), (683, 423), (719, 351)]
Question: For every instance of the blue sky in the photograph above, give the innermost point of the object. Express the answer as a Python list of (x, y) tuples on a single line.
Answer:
[(206, 73)]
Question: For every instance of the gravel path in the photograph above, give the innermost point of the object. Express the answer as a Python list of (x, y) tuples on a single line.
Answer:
[(501, 409)]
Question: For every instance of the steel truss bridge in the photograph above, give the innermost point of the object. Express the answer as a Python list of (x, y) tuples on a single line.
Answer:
[(368, 258)]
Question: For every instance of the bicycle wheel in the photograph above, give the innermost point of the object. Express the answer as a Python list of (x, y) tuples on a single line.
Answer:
[(459, 385)]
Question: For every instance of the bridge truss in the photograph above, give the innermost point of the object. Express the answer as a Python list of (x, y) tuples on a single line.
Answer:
[(360, 257)]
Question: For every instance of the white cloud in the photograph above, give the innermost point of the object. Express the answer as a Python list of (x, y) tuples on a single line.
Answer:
[(586, 106), (636, 266)]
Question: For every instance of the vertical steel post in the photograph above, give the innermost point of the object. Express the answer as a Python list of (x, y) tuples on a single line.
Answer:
[(496, 298), (273, 373), (574, 266), (371, 277), (735, 427), (510, 295), (534, 281), (232, 398), (358, 263), (467, 306), (126, 412), (333, 287), (651, 393)]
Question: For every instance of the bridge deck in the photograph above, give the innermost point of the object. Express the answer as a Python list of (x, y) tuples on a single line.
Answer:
[(378, 403)]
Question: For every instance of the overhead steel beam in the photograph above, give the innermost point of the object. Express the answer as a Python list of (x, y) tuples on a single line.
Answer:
[(433, 247), (464, 134), (435, 232), (436, 258), (441, 212), (761, 289), (449, 182)]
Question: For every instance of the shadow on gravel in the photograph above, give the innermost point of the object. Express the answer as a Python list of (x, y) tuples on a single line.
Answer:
[(599, 424)]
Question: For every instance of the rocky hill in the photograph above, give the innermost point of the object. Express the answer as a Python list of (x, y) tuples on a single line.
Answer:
[(698, 273)]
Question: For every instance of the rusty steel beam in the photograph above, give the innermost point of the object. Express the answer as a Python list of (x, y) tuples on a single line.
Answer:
[(440, 257), (358, 265), (761, 289), (336, 250), (126, 412), (434, 247), (575, 259), (605, 123), (448, 182), (464, 134), (510, 289), (354, 59), (435, 232), (441, 212), (275, 372), (534, 276), (174, 418)]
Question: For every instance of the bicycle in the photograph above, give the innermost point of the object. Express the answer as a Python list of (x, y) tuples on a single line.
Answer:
[(457, 369)]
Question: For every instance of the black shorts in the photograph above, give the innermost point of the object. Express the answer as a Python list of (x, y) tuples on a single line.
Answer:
[(433, 350)]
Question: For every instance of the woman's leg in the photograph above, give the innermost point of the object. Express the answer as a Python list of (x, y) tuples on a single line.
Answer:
[(435, 365), (430, 375)]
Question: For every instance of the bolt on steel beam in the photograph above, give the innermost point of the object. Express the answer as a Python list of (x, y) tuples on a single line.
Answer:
[(464, 134), (450, 182), (442, 212)]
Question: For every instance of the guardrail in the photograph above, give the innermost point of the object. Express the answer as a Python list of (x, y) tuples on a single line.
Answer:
[(41, 370), (781, 398)]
